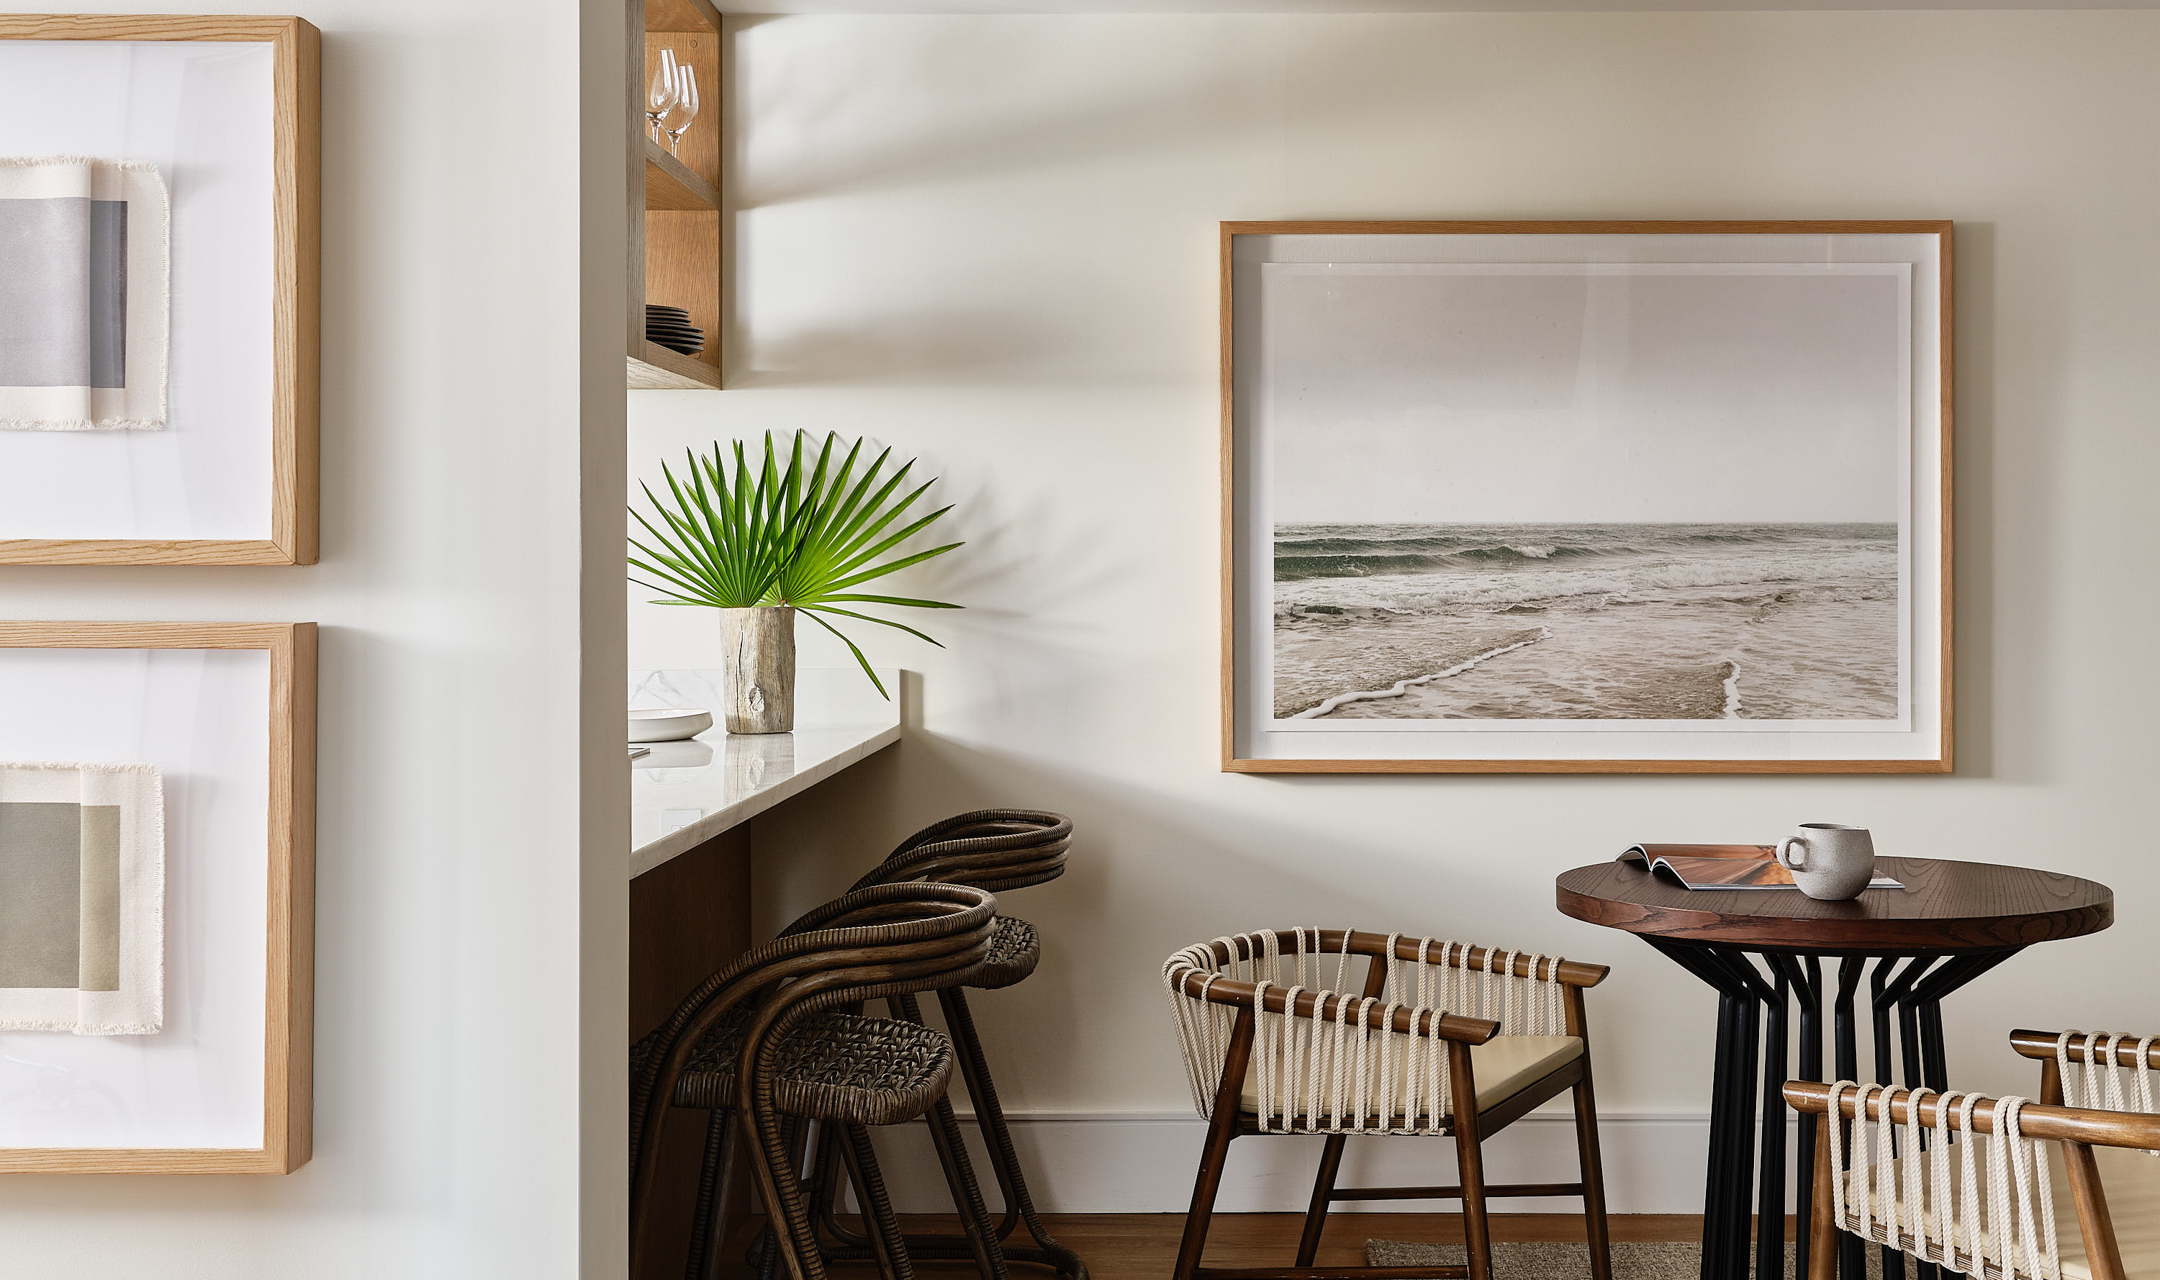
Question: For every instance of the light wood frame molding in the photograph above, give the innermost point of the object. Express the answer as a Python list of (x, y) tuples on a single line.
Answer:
[(1227, 479), (289, 998), (296, 300)]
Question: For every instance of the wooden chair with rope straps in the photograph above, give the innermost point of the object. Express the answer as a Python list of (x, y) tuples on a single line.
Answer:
[(2000, 1187), (1445, 1040)]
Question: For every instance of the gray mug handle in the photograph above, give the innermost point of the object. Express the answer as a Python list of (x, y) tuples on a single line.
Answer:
[(1784, 854)]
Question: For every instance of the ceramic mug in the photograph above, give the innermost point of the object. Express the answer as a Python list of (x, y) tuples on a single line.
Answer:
[(1828, 860)]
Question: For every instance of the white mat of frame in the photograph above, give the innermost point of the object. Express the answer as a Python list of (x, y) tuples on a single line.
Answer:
[(82, 899), (85, 294)]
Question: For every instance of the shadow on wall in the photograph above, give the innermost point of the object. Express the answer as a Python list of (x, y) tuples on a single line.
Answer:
[(1103, 943), (788, 90), (1091, 128)]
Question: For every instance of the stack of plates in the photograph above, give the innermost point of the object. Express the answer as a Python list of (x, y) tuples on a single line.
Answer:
[(670, 327)]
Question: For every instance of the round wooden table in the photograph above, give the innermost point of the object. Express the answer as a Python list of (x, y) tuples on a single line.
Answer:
[(1762, 950)]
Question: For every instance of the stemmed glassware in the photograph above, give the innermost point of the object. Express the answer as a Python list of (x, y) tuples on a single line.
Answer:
[(663, 93), (678, 115)]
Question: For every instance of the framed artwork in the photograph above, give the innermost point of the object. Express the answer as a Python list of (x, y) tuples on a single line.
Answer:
[(159, 214), (1591, 497), (157, 819)]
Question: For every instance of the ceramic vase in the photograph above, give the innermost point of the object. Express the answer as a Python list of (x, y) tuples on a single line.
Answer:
[(759, 657)]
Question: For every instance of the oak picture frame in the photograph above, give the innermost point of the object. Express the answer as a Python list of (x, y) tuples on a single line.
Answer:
[(296, 51), (289, 916), (1236, 755)]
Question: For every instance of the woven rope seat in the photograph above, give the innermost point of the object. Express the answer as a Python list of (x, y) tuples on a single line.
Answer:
[(1015, 950), (835, 1066)]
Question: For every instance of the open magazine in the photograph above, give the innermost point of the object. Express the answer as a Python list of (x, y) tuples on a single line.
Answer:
[(1723, 866)]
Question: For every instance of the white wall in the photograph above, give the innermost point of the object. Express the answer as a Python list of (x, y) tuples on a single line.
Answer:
[(991, 241), (448, 989)]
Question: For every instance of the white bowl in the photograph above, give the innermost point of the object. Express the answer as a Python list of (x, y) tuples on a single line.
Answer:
[(668, 724)]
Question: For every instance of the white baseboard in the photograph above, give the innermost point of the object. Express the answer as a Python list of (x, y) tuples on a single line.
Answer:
[(1145, 1164)]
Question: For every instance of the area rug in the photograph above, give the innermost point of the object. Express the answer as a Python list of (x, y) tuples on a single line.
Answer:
[(1565, 1260)]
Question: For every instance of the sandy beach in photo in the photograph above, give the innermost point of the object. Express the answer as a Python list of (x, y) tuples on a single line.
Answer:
[(1586, 621)]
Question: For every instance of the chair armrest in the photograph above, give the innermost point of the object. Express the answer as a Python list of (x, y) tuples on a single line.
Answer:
[(2130, 1129)]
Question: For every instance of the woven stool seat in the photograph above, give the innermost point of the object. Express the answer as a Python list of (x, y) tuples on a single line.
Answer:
[(1015, 949), (833, 1066)]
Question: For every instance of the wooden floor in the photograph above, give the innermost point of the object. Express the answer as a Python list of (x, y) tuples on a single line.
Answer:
[(1142, 1246)]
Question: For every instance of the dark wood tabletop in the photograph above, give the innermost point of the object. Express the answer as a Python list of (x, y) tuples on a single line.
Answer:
[(1944, 906)]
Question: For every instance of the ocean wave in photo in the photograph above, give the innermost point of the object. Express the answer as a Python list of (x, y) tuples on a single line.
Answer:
[(1591, 621)]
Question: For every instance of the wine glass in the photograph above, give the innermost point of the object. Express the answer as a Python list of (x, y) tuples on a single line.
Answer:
[(676, 119), (661, 95)]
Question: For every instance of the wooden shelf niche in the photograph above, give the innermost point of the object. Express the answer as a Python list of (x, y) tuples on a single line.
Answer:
[(675, 250)]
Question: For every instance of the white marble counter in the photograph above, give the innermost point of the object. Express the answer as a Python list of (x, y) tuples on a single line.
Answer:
[(687, 792)]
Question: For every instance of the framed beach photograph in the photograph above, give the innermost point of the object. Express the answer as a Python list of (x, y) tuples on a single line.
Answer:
[(159, 345), (157, 845), (1598, 497)]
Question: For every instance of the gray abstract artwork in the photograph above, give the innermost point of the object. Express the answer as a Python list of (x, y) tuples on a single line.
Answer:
[(60, 895), (81, 898), (83, 295)]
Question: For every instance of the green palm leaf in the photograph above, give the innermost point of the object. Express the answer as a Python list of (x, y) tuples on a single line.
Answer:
[(738, 537)]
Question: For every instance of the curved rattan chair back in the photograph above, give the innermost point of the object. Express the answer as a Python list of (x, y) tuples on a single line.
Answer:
[(994, 849), (869, 944)]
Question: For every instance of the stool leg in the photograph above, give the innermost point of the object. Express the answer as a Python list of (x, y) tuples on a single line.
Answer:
[(704, 1220), (826, 1197), (764, 1254), (1004, 1159), (967, 1195), (789, 1238), (878, 1220)]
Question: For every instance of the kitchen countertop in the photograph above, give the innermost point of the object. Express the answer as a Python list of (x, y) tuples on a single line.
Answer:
[(684, 793)]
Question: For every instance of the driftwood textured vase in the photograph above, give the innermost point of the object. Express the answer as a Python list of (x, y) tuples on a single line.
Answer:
[(760, 662)]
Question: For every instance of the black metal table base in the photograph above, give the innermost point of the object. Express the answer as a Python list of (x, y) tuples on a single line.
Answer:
[(1757, 992)]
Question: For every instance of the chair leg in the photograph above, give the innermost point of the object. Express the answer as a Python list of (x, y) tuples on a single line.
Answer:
[(705, 1217), (1470, 1163), (967, 1194), (1222, 1127), (1595, 1228), (879, 1224), (1316, 1212), (1004, 1159), (1822, 1223)]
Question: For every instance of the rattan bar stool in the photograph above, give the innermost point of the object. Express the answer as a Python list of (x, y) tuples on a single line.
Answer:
[(773, 1036), (1446, 1040), (999, 850)]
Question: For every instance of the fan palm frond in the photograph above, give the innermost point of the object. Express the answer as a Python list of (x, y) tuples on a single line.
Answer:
[(734, 538)]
